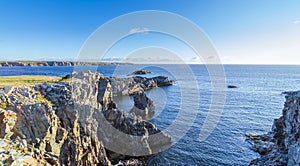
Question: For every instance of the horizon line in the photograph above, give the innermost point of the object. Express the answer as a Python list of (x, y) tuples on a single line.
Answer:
[(190, 63)]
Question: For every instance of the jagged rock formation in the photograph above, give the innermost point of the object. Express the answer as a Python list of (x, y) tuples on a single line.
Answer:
[(133, 85), (141, 72), (7, 123), (282, 145), (19, 153), (40, 126), (75, 124), (143, 105)]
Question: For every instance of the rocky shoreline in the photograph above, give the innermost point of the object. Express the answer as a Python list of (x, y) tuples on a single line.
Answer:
[(53, 63), (281, 146), (71, 123)]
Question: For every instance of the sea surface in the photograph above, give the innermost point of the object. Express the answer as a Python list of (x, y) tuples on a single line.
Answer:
[(250, 108)]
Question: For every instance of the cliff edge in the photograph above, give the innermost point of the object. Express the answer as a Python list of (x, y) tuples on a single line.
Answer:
[(281, 146), (73, 123)]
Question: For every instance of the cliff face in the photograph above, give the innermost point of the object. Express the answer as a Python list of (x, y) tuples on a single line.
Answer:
[(282, 145), (71, 124)]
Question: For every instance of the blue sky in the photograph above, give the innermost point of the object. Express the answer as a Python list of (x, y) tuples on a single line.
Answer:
[(248, 31)]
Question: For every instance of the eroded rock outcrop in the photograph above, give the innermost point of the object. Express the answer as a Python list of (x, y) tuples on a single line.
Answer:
[(143, 105), (130, 86), (282, 145), (140, 72), (18, 153), (93, 92), (7, 123), (75, 124)]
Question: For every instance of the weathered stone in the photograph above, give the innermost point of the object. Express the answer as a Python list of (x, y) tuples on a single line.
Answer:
[(163, 81), (7, 123), (143, 105), (26, 94), (281, 146), (130, 86), (67, 123), (8, 89), (141, 72), (16, 153)]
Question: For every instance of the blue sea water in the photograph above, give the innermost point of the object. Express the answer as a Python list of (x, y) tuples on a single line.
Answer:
[(251, 108)]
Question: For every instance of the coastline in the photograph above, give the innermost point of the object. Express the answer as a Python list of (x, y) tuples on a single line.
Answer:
[(281, 145), (53, 123), (55, 63), (233, 92)]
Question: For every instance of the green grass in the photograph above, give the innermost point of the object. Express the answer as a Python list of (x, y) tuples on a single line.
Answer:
[(27, 80)]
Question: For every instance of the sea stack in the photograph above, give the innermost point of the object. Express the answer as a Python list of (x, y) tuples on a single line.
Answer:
[(143, 105)]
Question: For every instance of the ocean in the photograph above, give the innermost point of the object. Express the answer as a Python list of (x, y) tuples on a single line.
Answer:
[(250, 108)]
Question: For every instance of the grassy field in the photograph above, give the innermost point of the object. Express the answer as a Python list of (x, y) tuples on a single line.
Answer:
[(26, 80)]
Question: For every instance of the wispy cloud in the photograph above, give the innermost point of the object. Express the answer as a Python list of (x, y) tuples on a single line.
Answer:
[(296, 21), (195, 59), (139, 30), (112, 59)]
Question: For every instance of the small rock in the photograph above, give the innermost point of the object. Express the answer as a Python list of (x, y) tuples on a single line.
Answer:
[(44, 86), (49, 89), (232, 86), (8, 89), (26, 94), (141, 72)]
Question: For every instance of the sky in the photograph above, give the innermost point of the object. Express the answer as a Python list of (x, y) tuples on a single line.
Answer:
[(242, 32)]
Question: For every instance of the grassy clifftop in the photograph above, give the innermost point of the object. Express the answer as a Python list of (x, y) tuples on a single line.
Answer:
[(26, 80)]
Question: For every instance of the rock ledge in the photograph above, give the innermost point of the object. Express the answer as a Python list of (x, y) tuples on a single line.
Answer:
[(281, 146)]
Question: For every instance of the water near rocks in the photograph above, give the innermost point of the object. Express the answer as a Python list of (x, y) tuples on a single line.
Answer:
[(250, 108)]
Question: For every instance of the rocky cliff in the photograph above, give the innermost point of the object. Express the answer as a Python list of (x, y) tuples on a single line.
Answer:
[(136, 84), (74, 123), (281, 146)]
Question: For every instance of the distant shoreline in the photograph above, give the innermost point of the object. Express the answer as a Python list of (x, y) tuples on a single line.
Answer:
[(54, 63), (76, 63)]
